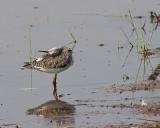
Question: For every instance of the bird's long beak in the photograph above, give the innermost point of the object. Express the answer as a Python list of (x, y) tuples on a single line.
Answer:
[(42, 51)]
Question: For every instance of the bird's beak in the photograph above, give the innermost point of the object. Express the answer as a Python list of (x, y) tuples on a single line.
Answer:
[(42, 51)]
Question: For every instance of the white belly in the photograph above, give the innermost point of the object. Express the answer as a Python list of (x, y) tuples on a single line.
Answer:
[(54, 70)]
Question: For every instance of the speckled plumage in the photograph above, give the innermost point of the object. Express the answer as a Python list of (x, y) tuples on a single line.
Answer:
[(59, 60)]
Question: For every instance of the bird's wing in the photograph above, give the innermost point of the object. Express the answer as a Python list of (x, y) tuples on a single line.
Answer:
[(56, 52)]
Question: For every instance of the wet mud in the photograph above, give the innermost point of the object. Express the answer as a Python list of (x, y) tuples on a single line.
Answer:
[(145, 85)]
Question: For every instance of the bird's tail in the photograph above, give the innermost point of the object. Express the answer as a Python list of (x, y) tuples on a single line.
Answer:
[(27, 65)]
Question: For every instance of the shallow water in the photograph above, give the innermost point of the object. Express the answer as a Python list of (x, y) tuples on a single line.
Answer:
[(48, 24)]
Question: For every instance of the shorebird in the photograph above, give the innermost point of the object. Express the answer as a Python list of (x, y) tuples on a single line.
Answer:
[(55, 60)]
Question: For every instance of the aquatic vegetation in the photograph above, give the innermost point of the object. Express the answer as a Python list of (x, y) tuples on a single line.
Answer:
[(154, 19), (142, 41)]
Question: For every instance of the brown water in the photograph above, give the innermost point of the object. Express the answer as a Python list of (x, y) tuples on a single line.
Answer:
[(48, 24)]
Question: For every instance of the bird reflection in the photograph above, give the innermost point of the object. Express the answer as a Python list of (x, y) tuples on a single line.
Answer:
[(59, 112)]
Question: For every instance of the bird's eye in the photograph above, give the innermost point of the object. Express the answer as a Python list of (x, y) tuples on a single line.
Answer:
[(69, 50)]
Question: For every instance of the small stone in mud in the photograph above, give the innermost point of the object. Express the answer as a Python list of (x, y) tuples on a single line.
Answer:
[(22, 68), (114, 106), (129, 118), (118, 113), (31, 25), (80, 51), (62, 95), (126, 98), (120, 47), (139, 17), (101, 45), (130, 124), (121, 92), (101, 106), (35, 7)]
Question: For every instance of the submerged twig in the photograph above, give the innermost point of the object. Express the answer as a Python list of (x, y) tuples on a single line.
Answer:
[(132, 23), (143, 27), (13, 124), (30, 45), (30, 54), (127, 38), (125, 60), (157, 121), (138, 70)]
